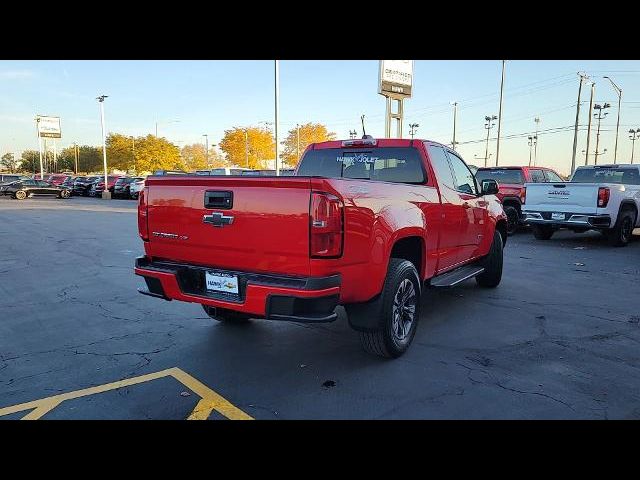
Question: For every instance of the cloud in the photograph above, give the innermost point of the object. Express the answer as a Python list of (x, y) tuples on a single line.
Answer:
[(16, 74)]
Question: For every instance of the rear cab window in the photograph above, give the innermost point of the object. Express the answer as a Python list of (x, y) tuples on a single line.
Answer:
[(383, 164), (624, 176), (537, 176), (501, 175)]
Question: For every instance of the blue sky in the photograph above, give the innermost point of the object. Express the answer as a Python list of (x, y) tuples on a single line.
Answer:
[(211, 96)]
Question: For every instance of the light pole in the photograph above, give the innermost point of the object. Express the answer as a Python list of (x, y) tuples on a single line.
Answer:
[(586, 157), (575, 128), (39, 146), (75, 155), (619, 92), (297, 141), (133, 153), (277, 111), (633, 137), (489, 123), (600, 115), (532, 142), (165, 123), (106, 194), (535, 147), (206, 149), (477, 157), (455, 114), (412, 129), (246, 148), (500, 115)]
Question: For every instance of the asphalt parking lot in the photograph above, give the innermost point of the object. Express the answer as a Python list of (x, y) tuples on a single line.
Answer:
[(558, 339)]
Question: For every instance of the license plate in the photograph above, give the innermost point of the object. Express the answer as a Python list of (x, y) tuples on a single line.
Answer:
[(222, 282), (557, 216)]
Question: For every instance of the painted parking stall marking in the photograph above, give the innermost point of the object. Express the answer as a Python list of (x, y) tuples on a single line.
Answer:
[(209, 400)]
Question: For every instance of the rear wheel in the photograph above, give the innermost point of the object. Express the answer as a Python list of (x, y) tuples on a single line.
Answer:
[(513, 219), (400, 312), (492, 264), (542, 232), (64, 194), (620, 235), (226, 316), (20, 195)]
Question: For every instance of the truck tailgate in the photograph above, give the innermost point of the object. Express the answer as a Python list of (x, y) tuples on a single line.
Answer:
[(562, 197), (265, 228)]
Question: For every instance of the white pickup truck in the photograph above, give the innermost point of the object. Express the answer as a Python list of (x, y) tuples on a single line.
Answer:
[(598, 197)]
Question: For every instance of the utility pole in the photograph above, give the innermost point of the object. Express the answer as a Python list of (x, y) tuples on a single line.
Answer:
[(246, 148), (133, 153), (633, 137), (619, 92), (535, 147), (297, 141), (39, 146), (593, 89), (582, 76), (489, 123), (500, 115), (477, 157), (532, 142), (106, 195), (412, 129), (75, 155), (455, 114), (353, 134), (206, 149), (600, 116)]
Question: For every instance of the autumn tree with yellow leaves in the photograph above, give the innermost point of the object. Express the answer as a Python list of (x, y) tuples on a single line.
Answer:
[(308, 133), (258, 146), (194, 158)]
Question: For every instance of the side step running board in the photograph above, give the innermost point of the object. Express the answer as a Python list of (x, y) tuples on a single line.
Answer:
[(456, 276)]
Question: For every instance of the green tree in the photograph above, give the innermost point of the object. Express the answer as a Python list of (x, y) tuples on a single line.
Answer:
[(67, 160), (153, 153), (120, 151), (90, 159), (309, 133), (259, 142), (9, 162), (29, 161)]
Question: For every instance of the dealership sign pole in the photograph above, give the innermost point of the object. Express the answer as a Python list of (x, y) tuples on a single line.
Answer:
[(395, 83), (48, 127)]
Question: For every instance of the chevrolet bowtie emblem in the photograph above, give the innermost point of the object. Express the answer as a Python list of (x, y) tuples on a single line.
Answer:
[(217, 219)]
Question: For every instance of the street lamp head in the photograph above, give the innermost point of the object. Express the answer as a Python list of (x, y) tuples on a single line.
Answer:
[(101, 98)]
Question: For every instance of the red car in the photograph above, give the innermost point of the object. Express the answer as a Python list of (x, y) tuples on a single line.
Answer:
[(511, 190), (363, 223)]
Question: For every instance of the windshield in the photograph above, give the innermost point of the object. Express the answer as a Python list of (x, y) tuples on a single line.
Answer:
[(625, 176), (500, 175), (386, 164)]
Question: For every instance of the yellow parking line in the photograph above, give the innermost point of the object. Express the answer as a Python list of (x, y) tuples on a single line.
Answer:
[(210, 400)]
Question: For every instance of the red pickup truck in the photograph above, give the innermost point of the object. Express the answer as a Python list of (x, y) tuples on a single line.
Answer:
[(363, 223), (511, 190)]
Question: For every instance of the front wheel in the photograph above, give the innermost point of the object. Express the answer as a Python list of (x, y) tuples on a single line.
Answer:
[(542, 232), (20, 195), (400, 312), (492, 264), (64, 194)]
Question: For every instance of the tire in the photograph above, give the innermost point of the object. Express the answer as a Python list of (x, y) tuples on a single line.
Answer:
[(492, 264), (20, 195), (400, 301), (64, 194), (542, 232), (226, 316), (513, 219), (620, 235), (134, 195)]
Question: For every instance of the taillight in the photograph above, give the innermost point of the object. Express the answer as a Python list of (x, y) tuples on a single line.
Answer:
[(523, 195), (603, 196), (325, 225), (143, 215)]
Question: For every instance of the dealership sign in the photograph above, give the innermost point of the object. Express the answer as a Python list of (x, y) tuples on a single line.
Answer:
[(396, 78), (49, 127)]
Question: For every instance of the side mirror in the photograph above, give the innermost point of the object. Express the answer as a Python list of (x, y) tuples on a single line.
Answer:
[(489, 187)]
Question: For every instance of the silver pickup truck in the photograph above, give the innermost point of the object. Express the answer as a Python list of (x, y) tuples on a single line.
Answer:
[(598, 197)]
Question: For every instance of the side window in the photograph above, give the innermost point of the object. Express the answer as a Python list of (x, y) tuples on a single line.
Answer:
[(43, 184), (440, 164), (537, 176), (552, 177), (465, 181)]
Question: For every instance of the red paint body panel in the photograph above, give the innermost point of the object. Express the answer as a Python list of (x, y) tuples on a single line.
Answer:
[(516, 190), (270, 232)]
